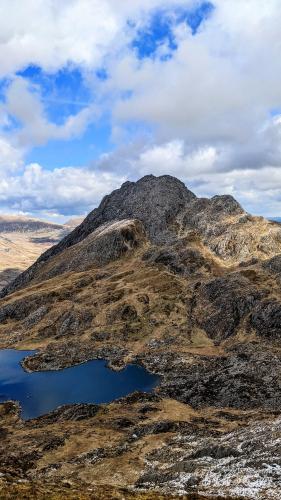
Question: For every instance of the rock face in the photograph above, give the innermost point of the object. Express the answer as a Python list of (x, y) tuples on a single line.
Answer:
[(190, 289), (239, 380), (109, 242), (153, 201), (8, 275), (167, 210), (274, 264), (223, 304)]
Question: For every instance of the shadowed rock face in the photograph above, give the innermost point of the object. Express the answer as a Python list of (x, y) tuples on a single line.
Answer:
[(266, 319), (8, 275), (226, 302), (109, 242), (168, 211), (242, 379), (154, 201), (274, 264)]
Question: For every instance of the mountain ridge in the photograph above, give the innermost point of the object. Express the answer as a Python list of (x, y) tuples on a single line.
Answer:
[(189, 288), (12, 223), (163, 204)]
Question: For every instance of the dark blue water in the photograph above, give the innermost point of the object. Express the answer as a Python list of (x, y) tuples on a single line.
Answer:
[(92, 382)]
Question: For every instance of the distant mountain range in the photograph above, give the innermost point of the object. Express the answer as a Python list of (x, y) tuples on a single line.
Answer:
[(22, 241)]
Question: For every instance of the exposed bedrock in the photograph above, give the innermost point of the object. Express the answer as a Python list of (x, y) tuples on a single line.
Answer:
[(109, 242), (247, 377), (188, 288)]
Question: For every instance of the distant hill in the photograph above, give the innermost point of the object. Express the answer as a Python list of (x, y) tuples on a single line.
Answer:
[(23, 239), (21, 224), (276, 219), (74, 222)]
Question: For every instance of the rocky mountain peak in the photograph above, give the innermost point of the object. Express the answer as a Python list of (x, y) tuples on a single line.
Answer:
[(227, 204), (155, 201), (167, 213)]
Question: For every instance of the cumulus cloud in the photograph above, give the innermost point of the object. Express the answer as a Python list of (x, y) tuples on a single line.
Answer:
[(10, 157), (212, 104), (23, 102), (218, 88), (52, 33), (259, 191), (67, 191)]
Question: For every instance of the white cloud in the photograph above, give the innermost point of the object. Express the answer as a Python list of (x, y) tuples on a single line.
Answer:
[(52, 33), (219, 87), (259, 191), (24, 103), (65, 190), (10, 157), (209, 106), (70, 190)]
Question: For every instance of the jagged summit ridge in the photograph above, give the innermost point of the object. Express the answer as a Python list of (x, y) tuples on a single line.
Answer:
[(168, 212), (155, 201)]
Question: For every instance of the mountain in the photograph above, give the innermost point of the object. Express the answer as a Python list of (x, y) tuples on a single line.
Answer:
[(189, 288), (168, 212), (74, 222), (22, 240), (277, 219)]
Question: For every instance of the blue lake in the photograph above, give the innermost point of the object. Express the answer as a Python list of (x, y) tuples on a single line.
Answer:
[(92, 382)]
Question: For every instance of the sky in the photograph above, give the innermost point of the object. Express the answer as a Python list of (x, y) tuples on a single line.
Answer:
[(93, 94)]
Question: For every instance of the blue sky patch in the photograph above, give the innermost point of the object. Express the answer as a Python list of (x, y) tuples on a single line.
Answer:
[(275, 112), (64, 93), (77, 152), (196, 16), (101, 74), (159, 31)]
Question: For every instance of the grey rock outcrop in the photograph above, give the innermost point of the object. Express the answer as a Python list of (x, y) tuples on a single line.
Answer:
[(226, 302), (107, 243), (169, 213), (154, 201), (7, 276), (273, 265), (242, 379), (266, 319), (206, 214)]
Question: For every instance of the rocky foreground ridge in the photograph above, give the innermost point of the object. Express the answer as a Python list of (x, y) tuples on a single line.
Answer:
[(188, 287)]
